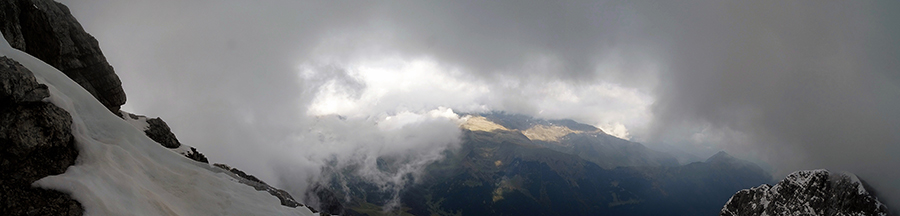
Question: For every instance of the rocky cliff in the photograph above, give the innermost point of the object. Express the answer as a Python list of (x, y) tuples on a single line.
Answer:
[(48, 31), (35, 141), (807, 192)]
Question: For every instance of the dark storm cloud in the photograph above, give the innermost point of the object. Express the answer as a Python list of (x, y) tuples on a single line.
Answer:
[(811, 85), (799, 84), (490, 37)]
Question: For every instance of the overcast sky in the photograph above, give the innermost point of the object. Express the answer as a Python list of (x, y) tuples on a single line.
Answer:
[(797, 85)]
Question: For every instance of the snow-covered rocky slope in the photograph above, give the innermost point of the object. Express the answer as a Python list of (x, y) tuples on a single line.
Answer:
[(807, 192), (121, 171)]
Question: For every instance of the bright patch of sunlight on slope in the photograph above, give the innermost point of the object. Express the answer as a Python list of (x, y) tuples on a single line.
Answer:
[(550, 133), (480, 123)]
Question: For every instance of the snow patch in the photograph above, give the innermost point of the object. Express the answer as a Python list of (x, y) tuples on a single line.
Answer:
[(139, 122), (182, 149)]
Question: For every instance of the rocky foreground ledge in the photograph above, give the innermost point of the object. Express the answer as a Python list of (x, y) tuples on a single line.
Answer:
[(35, 142), (807, 192)]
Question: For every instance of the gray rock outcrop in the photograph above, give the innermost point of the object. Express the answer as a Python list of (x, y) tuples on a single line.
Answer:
[(160, 132), (807, 192), (47, 30), (196, 156), (35, 141), (157, 130)]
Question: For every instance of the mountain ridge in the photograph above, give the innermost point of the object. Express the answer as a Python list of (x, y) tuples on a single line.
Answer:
[(586, 141), (807, 192), (499, 170)]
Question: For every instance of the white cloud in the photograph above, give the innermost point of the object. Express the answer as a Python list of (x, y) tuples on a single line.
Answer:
[(333, 144), (394, 84), (616, 129)]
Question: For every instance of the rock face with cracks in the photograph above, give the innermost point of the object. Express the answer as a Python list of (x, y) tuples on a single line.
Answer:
[(35, 141), (48, 31)]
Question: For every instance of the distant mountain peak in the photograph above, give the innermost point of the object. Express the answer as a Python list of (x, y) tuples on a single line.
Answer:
[(807, 192), (721, 157)]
